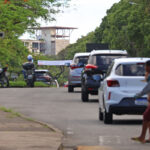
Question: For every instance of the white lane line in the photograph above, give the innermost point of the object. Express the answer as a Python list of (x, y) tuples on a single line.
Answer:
[(104, 140)]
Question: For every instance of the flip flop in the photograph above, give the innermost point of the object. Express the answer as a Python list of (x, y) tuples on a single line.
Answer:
[(137, 140)]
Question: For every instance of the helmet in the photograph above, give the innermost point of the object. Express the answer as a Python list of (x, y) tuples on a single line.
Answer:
[(30, 58)]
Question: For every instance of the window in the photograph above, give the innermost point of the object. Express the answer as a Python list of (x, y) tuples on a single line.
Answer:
[(42, 47), (38, 74), (90, 61), (81, 60), (130, 69), (35, 45), (109, 69), (103, 61), (119, 70)]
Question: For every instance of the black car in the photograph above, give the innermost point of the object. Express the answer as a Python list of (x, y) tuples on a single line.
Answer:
[(43, 76), (96, 69)]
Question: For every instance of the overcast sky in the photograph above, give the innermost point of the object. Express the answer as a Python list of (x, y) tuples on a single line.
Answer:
[(86, 15)]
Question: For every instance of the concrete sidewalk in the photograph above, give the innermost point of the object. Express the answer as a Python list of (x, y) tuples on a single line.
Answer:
[(21, 134)]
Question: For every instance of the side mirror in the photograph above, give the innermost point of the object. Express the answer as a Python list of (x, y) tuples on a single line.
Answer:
[(67, 64)]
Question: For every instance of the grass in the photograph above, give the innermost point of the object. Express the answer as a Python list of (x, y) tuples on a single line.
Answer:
[(15, 114), (10, 111), (41, 84), (17, 83), (23, 84)]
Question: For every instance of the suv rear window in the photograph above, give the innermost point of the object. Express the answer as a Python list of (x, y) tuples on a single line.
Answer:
[(81, 60), (130, 69), (42, 73), (103, 61)]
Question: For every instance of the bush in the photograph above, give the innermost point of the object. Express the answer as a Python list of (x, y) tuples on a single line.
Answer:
[(41, 84), (23, 84), (17, 83)]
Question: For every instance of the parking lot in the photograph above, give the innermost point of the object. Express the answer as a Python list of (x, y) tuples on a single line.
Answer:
[(78, 120)]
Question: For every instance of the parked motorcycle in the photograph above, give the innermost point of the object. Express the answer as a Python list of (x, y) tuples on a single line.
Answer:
[(30, 78), (3, 78), (29, 74)]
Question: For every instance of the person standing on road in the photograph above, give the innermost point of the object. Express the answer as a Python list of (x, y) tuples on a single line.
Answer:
[(146, 115)]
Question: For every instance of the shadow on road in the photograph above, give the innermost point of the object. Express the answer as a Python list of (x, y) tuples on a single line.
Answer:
[(127, 122), (93, 101), (77, 91)]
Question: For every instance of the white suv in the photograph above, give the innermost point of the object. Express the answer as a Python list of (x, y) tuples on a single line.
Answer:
[(124, 79)]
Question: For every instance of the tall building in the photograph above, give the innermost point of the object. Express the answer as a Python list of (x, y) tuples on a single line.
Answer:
[(49, 40), (53, 39)]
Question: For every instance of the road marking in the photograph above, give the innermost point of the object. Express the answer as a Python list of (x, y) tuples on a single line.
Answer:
[(93, 148), (70, 131), (105, 140)]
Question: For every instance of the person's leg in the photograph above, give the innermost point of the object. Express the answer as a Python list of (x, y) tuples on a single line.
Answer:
[(141, 138), (148, 140), (145, 125), (144, 129), (24, 73), (149, 121)]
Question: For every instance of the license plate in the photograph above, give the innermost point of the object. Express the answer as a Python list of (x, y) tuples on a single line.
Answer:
[(141, 102), (30, 76)]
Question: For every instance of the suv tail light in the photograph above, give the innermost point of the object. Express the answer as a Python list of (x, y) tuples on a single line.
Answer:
[(90, 67), (113, 83), (74, 66)]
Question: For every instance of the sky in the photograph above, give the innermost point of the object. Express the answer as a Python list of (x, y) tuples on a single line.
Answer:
[(86, 15)]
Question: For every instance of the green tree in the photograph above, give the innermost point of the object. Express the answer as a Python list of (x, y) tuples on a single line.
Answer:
[(17, 17), (126, 26), (79, 46)]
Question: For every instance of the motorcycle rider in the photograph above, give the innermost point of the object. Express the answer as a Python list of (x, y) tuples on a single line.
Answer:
[(28, 66)]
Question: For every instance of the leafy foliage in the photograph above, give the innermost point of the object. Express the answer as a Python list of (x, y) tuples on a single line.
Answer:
[(79, 46), (18, 16), (126, 26)]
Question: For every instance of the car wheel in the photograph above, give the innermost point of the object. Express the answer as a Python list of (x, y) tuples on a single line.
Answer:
[(84, 95), (101, 117), (70, 88), (108, 117)]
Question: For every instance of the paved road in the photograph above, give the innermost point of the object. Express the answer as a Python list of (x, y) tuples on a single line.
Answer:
[(78, 121)]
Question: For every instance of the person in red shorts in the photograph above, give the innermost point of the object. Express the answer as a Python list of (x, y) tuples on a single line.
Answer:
[(146, 114)]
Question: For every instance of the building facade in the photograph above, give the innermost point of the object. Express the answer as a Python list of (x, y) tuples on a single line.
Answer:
[(34, 46), (49, 40)]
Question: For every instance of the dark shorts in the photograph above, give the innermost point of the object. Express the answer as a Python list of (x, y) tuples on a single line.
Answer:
[(146, 115)]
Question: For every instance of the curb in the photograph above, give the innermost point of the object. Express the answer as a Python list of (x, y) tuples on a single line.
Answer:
[(93, 148), (51, 127)]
